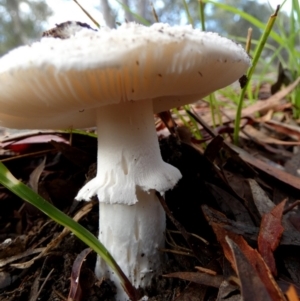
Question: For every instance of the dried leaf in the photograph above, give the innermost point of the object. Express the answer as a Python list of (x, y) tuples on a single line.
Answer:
[(273, 172), (262, 138), (216, 217), (5, 261), (252, 256), (75, 293), (230, 205), (206, 271), (283, 128), (270, 233), (228, 292), (16, 135), (265, 205), (23, 143), (239, 185), (252, 287), (35, 176), (285, 285), (198, 277), (272, 101), (292, 294), (260, 198)]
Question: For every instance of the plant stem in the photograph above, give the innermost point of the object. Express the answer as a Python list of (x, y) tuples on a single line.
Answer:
[(201, 14), (189, 17), (87, 13), (256, 57)]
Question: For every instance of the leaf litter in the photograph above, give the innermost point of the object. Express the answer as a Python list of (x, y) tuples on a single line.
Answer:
[(233, 220)]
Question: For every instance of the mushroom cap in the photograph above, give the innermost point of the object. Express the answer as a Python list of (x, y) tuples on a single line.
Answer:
[(58, 83)]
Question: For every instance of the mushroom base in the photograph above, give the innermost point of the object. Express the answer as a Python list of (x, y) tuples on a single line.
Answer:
[(133, 235)]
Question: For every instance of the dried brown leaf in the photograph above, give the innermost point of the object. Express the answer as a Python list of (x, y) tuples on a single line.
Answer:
[(230, 205), (198, 277), (265, 205), (273, 172), (257, 135), (251, 255), (260, 198), (25, 139), (283, 128), (228, 292), (21, 265), (35, 176), (270, 233), (291, 294), (215, 217), (252, 286), (75, 293)]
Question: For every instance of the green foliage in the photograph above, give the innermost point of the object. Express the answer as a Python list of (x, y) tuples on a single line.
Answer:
[(21, 22), (235, 17)]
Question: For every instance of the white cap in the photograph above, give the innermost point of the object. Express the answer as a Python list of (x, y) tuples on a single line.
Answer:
[(64, 80)]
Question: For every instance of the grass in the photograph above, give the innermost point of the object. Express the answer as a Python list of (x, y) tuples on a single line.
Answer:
[(256, 57), (288, 43)]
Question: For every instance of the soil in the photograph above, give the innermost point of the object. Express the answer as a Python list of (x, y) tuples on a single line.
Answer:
[(213, 200)]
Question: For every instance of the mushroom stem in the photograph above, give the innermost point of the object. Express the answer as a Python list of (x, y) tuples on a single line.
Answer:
[(128, 155), (133, 235), (130, 169)]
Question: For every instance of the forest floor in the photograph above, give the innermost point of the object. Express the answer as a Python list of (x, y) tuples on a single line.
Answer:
[(233, 230)]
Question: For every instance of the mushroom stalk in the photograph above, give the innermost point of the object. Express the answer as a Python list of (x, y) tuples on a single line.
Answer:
[(133, 235), (130, 169)]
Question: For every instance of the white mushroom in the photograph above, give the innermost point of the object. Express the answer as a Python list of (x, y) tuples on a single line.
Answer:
[(115, 79)]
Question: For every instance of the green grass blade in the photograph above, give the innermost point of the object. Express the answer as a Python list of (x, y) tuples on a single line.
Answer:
[(79, 132), (177, 113), (256, 57), (201, 14), (247, 17), (187, 12), (28, 195), (137, 16), (194, 125)]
